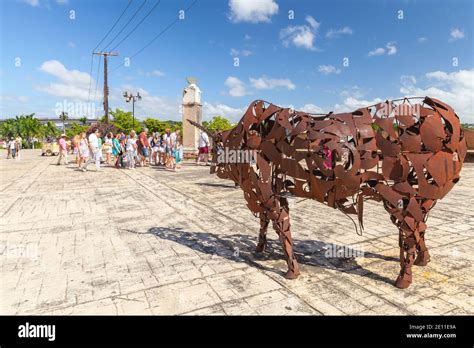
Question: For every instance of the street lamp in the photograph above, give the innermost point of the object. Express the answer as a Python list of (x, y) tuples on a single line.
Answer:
[(129, 96)]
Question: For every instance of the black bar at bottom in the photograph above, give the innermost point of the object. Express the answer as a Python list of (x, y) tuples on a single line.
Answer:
[(327, 330)]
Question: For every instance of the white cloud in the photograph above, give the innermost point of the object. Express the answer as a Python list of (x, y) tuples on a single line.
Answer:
[(377, 52), (351, 104), (456, 34), (214, 109), (407, 80), (328, 69), (71, 44), (237, 88), (455, 88), (163, 108), (267, 83), (353, 91), (301, 35), (57, 69), (312, 109), (72, 84), (36, 3), (333, 33), (380, 51), (14, 98), (252, 11), (33, 3), (422, 39), (391, 48), (152, 73), (247, 37), (157, 73), (234, 52), (312, 22)]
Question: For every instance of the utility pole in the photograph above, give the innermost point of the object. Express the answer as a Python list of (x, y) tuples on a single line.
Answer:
[(106, 85), (129, 96)]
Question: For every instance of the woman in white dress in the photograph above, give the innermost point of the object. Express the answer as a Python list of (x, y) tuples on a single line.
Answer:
[(83, 151), (108, 148)]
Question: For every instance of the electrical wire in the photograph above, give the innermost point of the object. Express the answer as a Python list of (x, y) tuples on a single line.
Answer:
[(126, 25)]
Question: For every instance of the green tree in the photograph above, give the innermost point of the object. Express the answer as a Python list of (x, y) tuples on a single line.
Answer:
[(218, 124), (50, 130), (30, 128), (63, 117), (8, 128), (155, 125), (124, 121), (25, 126), (83, 120), (177, 125), (75, 129)]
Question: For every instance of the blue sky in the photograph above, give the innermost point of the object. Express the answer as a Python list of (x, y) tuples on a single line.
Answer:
[(288, 58)]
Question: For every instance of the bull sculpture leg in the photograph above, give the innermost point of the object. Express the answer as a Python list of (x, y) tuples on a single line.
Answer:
[(282, 226), (262, 237), (422, 256), (407, 245), (413, 251)]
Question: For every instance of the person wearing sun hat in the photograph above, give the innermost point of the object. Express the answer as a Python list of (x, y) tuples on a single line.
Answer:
[(62, 149)]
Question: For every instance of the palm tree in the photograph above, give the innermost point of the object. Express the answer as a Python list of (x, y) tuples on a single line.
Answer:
[(50, 130), (83, 120), (63, 117), (29, 127), (8, 128)]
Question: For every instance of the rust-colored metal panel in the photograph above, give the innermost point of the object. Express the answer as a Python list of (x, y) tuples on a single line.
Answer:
[(407, 156)]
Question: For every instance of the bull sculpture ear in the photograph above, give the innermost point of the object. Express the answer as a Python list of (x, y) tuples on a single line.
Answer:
[(201, 127)]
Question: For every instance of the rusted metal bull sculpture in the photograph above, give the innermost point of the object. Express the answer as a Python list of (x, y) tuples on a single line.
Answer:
[(407, 153)]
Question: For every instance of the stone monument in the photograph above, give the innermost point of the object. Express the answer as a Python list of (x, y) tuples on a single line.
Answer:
[(192, 110)]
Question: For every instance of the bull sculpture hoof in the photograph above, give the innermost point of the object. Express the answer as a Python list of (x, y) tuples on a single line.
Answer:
[(292, 274), (403, 281), (422, 258)]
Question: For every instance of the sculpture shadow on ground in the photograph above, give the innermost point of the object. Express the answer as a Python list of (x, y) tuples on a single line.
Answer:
[(241, 248), (208, 184)]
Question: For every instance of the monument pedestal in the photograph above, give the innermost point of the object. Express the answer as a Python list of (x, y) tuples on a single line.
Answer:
[(192, 110)]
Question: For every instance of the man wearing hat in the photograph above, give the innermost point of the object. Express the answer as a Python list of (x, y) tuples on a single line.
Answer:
[(62, 149)]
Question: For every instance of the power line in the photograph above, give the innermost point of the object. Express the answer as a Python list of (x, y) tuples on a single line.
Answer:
[(92, 55), (113, 26), (139, 23), (169, 26), (123, 28), (90, 80)]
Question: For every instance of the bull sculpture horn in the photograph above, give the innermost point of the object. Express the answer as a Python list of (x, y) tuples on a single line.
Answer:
[(201, 127)]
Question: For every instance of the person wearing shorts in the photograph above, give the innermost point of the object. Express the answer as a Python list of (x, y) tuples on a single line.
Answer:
[(143, 147), (155, 143), (203, 146)]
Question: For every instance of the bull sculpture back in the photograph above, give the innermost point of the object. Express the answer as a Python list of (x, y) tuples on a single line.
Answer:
[(406, 154)]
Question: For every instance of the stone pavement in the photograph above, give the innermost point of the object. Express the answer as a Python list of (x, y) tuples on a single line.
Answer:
[(151, 241)]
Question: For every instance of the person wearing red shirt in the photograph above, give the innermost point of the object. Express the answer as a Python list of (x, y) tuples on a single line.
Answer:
[(144, 145)]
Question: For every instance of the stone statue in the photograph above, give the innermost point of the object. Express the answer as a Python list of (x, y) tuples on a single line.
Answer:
[(192, 110)]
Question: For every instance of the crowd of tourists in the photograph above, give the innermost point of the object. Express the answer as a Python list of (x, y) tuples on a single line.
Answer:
[(122, 150), (129, 150)]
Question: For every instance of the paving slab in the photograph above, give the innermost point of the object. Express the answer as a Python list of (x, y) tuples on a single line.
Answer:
[(153, 241)]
